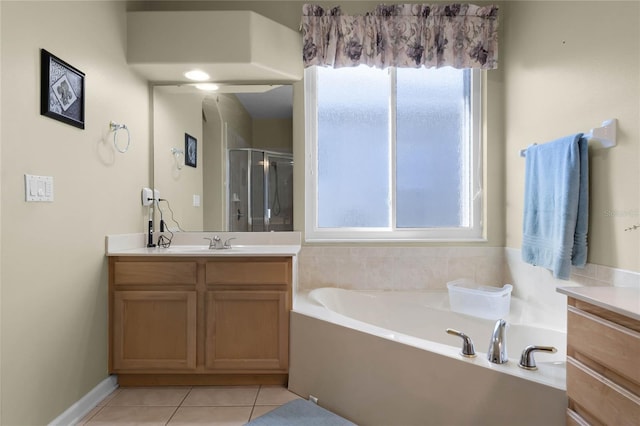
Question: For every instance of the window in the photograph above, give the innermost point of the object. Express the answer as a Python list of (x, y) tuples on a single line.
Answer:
[(392, 154)]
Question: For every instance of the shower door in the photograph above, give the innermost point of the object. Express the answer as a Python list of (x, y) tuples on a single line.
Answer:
[(279, 190), (260, 195), (237, 194), (256, 193)]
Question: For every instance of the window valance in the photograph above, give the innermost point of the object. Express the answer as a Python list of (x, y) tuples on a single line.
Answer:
[(402, 35)]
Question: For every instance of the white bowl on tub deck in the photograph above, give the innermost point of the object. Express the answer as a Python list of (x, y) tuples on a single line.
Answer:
[(470, 298)]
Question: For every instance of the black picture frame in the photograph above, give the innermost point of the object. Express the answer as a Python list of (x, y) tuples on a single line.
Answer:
[(190, 150), (61, 90)]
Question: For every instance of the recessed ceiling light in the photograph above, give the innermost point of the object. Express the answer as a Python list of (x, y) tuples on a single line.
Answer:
[(196, 75), (210, 87)]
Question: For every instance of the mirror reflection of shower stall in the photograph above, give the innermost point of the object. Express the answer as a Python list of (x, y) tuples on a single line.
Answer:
[(260, 192)]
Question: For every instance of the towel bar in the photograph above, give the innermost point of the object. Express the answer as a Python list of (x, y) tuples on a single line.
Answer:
[(605, 135)]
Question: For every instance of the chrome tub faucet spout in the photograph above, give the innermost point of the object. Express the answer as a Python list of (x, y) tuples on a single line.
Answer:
[(497, 352)]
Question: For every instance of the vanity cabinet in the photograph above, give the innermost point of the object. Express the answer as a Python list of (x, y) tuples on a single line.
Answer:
[(603, 374), (199, 320)]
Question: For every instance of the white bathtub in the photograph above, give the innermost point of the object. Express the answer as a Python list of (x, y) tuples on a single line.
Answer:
[(384, 358)]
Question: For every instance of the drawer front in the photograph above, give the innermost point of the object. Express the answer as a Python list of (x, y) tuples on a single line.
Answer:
[(605, 342), (603, 399), (574, 419), (252, 271), (168, 273)]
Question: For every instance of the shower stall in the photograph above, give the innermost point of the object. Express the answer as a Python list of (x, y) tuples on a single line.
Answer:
[(260, 190)]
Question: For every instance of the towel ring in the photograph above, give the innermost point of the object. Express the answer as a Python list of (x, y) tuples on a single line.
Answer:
[(177, 153), (114, 128)]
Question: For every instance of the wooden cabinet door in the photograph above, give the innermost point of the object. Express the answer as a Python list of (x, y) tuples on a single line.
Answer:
[(154, 330), (247, 330)]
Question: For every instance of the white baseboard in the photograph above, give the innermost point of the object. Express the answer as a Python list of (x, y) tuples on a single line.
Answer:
[(84, 405)]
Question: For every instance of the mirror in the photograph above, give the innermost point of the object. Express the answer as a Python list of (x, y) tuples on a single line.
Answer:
[(243, 174)]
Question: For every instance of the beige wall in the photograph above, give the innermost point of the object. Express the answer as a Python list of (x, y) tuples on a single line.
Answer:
[(568, 66), (224, 113), (214, 195), (273, 134), (174, 115), (236, 116), (54, 272)]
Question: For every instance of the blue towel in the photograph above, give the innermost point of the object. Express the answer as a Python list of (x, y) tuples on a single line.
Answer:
[(556, 205)]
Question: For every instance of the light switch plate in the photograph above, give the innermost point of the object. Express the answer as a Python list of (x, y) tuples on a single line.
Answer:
[(38, 188)]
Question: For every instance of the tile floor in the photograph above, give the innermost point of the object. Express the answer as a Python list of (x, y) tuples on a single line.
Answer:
[(186, 405)]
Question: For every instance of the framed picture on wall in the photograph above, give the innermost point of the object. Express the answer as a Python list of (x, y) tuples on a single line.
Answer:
[(61, 90), (191, 150)]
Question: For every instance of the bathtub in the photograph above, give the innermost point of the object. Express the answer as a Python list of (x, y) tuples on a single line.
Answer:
[(384, 358)]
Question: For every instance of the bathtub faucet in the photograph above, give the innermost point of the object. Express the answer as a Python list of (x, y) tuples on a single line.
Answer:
[(468, 351), (497, 352)]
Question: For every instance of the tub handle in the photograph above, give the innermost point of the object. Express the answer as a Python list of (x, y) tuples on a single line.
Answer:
[(527, 361), (467, 344)]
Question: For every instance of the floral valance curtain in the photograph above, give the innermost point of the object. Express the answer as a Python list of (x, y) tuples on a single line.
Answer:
[(402, 35)]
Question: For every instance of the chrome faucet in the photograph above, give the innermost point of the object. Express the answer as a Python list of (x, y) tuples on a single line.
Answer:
[(526, 359), (497, 352), (468, 350), (216, 243)]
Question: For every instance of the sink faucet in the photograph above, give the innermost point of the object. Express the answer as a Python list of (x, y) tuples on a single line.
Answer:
[(227, 243), (215, 243), (497, 352)]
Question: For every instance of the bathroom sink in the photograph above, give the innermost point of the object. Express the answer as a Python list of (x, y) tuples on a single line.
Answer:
[(184, 249), (178, 249), (202, 250)]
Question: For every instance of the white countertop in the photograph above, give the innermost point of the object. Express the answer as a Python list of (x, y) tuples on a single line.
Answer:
[(192, 244), (204, 251), (622, 300)]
